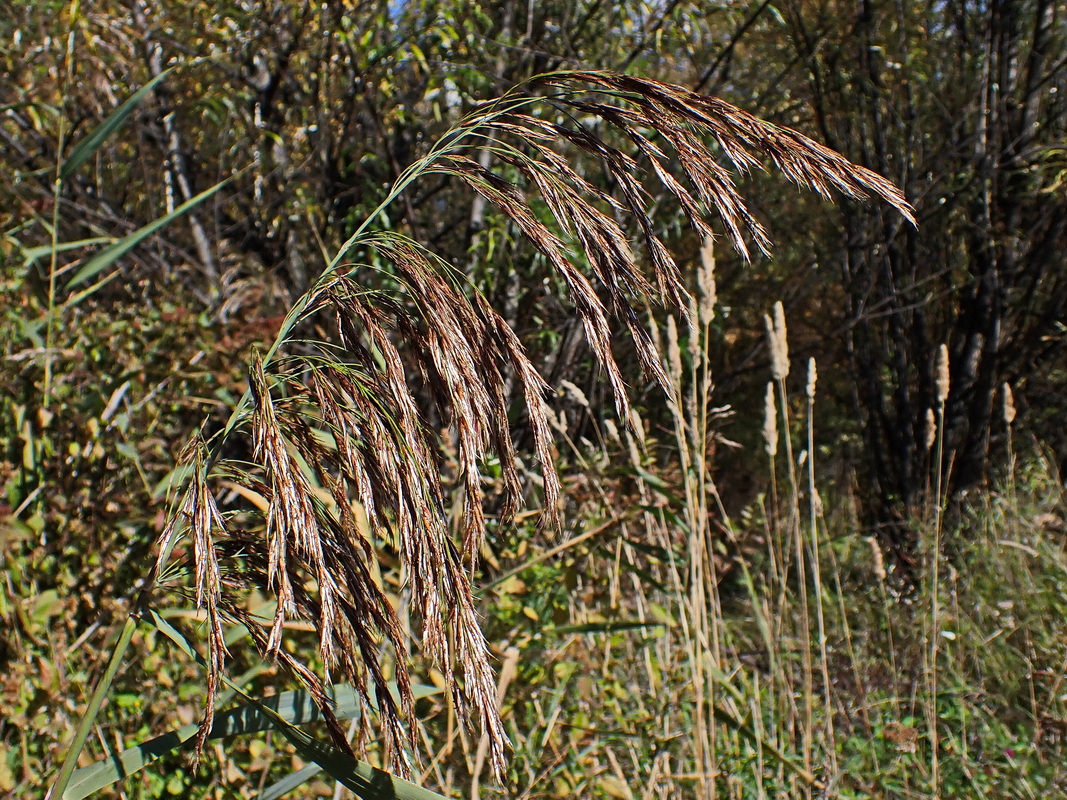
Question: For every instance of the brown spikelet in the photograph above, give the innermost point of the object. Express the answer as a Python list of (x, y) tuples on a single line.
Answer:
[(408, 492), (590, 308), (292, 526), (200, 513), (742, 135)]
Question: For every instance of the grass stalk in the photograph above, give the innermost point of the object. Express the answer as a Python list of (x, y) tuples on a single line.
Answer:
[(816, 569), (803, 629), (57, 193), (942, 383), (704, 643), (779, 349)]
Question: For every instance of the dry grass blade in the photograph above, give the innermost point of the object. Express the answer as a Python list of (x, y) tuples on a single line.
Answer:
[(340, 431)]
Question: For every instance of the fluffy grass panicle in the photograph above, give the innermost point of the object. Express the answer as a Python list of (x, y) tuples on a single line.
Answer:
[(338, 433)]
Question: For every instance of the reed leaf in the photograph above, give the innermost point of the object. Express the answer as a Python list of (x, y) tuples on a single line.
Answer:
[(84, 150), (294, 707), (109, 255)]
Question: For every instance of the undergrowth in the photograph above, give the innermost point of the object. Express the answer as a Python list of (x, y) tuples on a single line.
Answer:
[(600, 702)]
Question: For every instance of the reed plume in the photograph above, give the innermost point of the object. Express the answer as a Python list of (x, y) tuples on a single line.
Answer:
[(340, 437)]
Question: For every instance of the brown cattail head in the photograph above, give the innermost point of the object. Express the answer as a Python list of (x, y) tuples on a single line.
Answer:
[(942, 375)]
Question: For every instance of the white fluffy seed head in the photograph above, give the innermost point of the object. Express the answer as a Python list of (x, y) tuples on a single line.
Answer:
[(770, 422), (706, 281), (574, 393), (941, 370), (1008, 407), (777, 342), (674, 354), (611, 431), (877, 558), (931, 428)]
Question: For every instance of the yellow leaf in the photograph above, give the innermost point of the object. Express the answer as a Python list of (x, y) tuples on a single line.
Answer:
[(7, 779), (613, 787)]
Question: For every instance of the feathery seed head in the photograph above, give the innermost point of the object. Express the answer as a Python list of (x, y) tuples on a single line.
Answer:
[(777, 342), (942, 374), (770, 422), (1008, 404), (706, 282), (359, 394)]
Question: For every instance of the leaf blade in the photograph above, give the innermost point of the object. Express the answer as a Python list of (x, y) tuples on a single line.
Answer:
[(91, 143), (109, 255), (278, 712)]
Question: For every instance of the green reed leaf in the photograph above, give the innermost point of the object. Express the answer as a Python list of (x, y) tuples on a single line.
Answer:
[(109, 255), (91, 143), (287, 709)]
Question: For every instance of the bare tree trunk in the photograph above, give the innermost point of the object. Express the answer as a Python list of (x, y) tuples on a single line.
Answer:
[(177, 169)]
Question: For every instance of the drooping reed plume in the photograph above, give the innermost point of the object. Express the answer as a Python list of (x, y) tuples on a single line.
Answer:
[(344, 461)]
